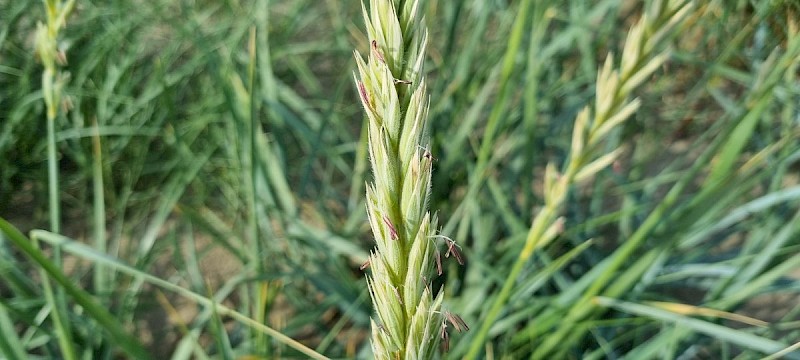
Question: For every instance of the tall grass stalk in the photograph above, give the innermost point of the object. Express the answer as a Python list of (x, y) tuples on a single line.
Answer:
[(102, 276), (259, 310), (612, 107), (52, 86), (410, 321)]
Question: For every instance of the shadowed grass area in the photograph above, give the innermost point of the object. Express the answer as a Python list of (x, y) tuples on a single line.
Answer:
[(211, 161)]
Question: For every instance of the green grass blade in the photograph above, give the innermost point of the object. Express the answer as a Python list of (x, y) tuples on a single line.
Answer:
[(734, 336), (10, 343), (89, 254), (115, 330)]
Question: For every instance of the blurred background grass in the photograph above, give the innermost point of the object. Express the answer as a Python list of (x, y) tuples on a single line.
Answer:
[(233, 165)]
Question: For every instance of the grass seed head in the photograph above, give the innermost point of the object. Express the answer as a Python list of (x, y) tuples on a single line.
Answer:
[(391, 87)]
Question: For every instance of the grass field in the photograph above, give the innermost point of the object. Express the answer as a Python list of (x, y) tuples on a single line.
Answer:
[(186, 179)]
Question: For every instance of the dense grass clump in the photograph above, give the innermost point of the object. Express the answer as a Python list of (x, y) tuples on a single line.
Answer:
[(188, 178)]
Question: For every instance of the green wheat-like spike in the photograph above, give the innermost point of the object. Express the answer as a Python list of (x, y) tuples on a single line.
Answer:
[(408, 322)]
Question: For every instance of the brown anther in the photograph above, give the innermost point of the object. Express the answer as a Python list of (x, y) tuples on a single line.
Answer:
[(364, 97), (397, 293), (427, 154), (438, 262), (391, 228), (401, 81), (453, 248), (457, 321), (377, 52), (364, 265), (445, 337)]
